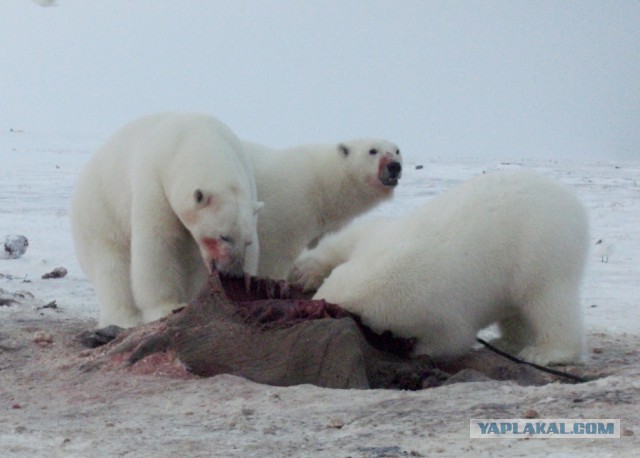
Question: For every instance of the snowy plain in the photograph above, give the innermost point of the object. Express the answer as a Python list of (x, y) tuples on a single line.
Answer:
[(49, 408)]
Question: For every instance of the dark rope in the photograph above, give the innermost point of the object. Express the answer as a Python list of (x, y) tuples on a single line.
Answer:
[(567, 375)]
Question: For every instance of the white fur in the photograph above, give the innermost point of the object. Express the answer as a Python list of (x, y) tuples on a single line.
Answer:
[(140, 234), (311, 190), (507, 247)]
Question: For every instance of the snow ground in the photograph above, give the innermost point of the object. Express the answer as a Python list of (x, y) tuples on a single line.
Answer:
[(51, 409)]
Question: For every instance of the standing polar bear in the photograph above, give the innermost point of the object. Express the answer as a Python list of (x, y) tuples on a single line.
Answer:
[(167, 198), (311, 190), (507, 247)]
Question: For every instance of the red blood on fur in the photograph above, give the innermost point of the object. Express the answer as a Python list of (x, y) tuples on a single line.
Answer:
[(216, 250), (384, 161)]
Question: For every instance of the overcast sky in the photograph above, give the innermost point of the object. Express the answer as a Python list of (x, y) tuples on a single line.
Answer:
[(510, 79)]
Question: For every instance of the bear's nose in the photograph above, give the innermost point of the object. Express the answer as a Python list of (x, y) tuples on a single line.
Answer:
[(394, 169)]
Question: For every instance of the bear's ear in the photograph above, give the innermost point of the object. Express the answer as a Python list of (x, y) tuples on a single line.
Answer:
[(343, 149), (257, 206)]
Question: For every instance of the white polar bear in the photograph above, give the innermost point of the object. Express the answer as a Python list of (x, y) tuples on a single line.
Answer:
[(311, 190), (507, 247), (163, 199)]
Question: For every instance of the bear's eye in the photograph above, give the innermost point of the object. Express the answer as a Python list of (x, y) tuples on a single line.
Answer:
[(398, 152), (198, 196), (226, 238), (373, 151)]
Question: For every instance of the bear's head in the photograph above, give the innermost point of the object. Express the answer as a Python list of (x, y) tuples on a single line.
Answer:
[(376, 163), (223, 224)]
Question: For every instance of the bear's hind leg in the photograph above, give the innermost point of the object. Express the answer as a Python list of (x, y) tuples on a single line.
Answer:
[(446, 340), (555, 322), (515, 334)]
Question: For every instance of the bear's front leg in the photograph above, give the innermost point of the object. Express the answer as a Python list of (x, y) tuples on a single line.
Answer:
[(157, 276), (252, 255), (314, 266), (310, 270)]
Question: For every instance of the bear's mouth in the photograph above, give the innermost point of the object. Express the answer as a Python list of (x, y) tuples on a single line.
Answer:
[(217, 256), (390, 182)]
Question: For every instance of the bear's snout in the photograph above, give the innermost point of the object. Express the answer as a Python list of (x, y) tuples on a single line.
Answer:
[(395, 169), (221, 256), (390, 173)]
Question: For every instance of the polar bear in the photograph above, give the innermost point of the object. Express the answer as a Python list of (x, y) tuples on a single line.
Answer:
[(166, 199), (507, 247), (311, 190)]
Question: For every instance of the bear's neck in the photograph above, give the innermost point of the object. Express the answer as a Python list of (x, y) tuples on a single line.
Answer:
[(346, 199)]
